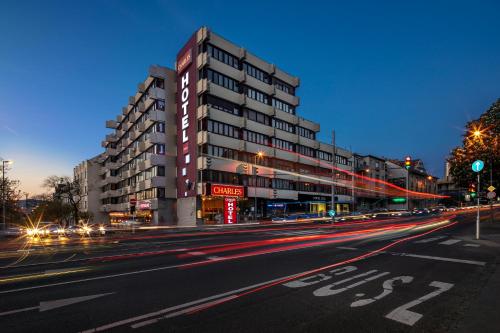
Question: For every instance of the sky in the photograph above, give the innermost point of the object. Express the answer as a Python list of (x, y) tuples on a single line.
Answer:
[(392, 78)]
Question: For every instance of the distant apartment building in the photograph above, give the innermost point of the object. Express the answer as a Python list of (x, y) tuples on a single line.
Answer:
[(447, 186), (86, 175)]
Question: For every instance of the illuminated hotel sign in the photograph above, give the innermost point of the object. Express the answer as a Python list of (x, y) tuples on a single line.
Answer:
[(186, 120), (227, 191), (230, 210)]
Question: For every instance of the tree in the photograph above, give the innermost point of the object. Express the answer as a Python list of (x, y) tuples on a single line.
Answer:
[(481, 141), (67, 192), (11, 193)]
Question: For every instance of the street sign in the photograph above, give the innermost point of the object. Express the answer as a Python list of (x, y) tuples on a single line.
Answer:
[(491, 195), (331, 213), (133, 201), (491, 188), (477, 166)]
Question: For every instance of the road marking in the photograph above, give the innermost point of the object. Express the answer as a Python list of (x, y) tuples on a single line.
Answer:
[(179, 307), (450, 241), (471, 245), (388, 286), (427, 240), (461, 261), (58, 303), (328, 291), (313, 279), (405, 316)]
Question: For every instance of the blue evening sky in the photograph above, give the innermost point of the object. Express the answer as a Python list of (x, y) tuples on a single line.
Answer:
[(391, 77)]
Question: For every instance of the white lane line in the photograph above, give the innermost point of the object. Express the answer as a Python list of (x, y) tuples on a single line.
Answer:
[(427, 240), (92, 279), (450, 241), (471, 245), (347, 248), (179, 307), (461, 261)]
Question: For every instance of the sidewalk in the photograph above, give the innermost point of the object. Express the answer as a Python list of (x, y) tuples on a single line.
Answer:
[(483, 313)]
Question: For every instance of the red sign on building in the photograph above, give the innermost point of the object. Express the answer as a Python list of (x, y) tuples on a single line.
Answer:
[(220, 190), (186, 120), (230, 210)]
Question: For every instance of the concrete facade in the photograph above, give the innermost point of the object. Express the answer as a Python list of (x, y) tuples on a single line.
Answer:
[(87, 175)]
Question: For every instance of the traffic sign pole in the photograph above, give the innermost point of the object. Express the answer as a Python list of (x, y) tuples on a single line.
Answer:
[(477, 166), (477, 218)]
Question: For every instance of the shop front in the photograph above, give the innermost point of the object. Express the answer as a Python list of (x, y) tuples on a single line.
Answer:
[(223, 204)]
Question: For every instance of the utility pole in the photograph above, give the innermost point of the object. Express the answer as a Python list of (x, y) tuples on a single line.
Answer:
[(477, 217), (334, 162), (352, 180), (3, 194)]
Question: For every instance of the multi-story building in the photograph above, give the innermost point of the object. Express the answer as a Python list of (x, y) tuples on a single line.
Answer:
[(419, 180), (370, 194), (241, 141), (86, 175), (137, 175), (446, 186)]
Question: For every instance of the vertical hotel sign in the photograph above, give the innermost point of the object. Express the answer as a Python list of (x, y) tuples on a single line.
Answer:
[(186, 120)]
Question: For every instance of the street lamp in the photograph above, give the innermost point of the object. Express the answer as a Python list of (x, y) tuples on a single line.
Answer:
[(259, 155), (4, 162)]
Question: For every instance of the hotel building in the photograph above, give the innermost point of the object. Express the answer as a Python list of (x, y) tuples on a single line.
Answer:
[(216, 140)]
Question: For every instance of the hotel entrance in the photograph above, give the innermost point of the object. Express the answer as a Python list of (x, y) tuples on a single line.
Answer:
[(223, 204)]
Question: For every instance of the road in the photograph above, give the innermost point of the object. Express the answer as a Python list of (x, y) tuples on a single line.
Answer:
[(398, 275)]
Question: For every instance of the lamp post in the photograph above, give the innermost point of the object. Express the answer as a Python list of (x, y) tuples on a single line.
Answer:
[(4, 162), (259, 154)]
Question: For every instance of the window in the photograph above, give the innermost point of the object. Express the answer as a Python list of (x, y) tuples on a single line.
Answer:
[(256, 73), (283, 184), (341, 159), (159, 127), (282, 144), (160, 105), (257, 116), (280, 105), (307, 151), (223, 105), (222, 80), (159, 83), (283, 125), (223, 129), (284, 87), (257, 95), (306, 133), (221, 152), (223, 56), (255, 137), (159, 149), (323, 155)]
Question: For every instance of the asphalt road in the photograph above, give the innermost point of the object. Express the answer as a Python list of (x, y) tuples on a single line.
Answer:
[(400, 275)]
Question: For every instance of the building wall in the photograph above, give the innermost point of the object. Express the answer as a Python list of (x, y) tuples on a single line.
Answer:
[(87, 174)]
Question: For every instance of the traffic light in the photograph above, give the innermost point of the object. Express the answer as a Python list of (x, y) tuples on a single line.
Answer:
[(407, 162), (255, 170), (472, 190), (209, 162)]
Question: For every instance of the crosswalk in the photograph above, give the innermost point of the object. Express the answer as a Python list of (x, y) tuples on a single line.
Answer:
[(447, 242)]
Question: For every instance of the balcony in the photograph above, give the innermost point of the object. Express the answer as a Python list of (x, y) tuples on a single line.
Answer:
[(104, 144), (127, 174), (144, 145), (111, 151), (110, 180), (111, 137), (111, 124), (309, 124), (157, 93), (155, 182), (157, 138)]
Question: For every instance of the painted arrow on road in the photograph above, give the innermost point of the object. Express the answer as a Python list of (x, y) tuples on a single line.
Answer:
[(58, 303)]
